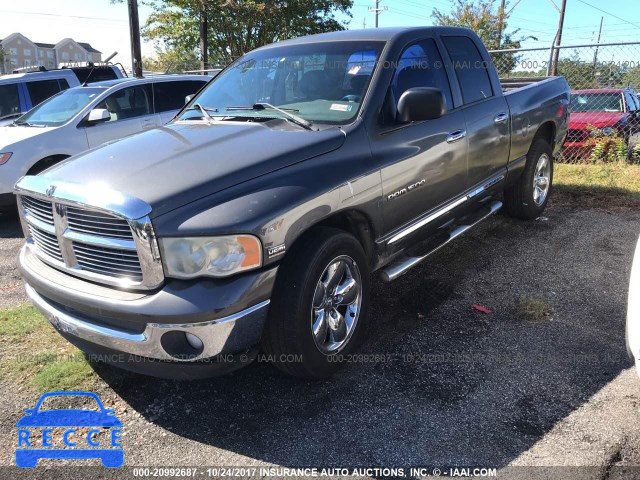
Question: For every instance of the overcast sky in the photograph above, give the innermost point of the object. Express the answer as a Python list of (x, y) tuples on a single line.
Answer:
[(105, 26)]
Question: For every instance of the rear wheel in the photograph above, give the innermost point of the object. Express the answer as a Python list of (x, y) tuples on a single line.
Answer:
[(528, 197), (318, 308)]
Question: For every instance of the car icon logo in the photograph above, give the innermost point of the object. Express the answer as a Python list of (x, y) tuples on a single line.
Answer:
[(28, 453), (51, 189)]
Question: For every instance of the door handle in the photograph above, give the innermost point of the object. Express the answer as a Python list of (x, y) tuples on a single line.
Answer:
[(501, 118), (455, 136)]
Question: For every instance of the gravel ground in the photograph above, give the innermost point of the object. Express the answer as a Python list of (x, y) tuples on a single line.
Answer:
[(440, 382)]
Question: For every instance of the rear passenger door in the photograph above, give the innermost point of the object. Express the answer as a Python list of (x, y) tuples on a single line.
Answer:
[(485, 111), (131, 110), (168, 97)]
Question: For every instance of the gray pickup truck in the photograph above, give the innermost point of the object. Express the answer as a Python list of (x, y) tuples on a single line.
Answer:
[(255, 218)]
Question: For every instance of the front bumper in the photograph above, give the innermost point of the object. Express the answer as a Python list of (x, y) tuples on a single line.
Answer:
[(226, 315)]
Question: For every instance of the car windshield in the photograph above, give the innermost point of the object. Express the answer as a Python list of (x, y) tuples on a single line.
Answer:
[(66, 402), (60, 108), (597, 102), (9, 101), (319, 83)]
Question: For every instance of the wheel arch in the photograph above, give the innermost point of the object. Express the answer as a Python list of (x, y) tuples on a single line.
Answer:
[(546, 131), (45, 163), (354, 222)]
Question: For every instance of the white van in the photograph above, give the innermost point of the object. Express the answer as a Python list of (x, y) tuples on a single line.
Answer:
[(20, 92), (85, 117)]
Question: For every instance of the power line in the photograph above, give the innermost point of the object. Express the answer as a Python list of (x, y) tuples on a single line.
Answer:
[(65, 16), (608, 13)]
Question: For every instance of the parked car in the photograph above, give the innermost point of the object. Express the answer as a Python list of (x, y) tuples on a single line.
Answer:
[(258, 213), (601, 112), (22, 91), (85, 117)]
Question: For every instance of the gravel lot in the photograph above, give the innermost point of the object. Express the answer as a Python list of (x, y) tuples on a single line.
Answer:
[(442, 383)]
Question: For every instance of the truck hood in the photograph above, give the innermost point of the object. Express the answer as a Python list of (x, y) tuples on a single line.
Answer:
[(580, 120), (171, 166)]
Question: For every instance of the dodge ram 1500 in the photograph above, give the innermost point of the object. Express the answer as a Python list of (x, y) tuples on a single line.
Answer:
[(255, 218)]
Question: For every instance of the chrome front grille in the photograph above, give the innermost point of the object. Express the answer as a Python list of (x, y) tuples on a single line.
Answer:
[(108, 261), (40, 209), (90, 242), (46, 242), (97, 223)]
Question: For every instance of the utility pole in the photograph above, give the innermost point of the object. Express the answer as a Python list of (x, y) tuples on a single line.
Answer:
[(556, 51), (595, 55), (501, 22), (134, 29), (377, 9), (204, 41)]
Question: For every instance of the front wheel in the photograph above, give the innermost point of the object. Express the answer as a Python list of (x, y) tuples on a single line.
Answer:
[(528, 197), (317, 314)]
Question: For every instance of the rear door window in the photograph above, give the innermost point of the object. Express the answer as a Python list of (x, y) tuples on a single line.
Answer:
[(169, 96), (40, 90), (471, 70), (9, 100)]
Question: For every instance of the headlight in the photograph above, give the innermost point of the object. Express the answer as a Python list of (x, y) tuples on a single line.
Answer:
[(192, 257), (4, 157)]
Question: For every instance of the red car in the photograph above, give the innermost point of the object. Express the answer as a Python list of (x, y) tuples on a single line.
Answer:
[(601, 112)]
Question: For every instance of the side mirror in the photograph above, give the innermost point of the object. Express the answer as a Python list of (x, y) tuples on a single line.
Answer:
[(421, 103), (188, 98), (98, 115)]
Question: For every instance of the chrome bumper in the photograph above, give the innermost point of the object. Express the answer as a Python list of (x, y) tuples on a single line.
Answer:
[(245, 327)]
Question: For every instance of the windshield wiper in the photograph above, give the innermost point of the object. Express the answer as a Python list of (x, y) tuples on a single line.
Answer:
[(205, 111), (27, 124), (286, 112)]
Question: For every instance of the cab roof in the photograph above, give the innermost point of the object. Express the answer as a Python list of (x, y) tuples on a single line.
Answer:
[(368, 34)]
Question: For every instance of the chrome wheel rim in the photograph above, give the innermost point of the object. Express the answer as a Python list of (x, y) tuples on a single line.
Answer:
[(336, 304), (542, 179)]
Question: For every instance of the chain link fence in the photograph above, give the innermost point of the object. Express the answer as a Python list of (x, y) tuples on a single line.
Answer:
[(605, 109)]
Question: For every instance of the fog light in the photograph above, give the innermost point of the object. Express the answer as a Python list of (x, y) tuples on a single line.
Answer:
[(194, 341)]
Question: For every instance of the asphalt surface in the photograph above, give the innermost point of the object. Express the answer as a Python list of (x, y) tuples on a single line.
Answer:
[(439, 382)]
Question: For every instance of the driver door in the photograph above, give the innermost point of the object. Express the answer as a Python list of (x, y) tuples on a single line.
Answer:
[(131, 111), (424, 164)]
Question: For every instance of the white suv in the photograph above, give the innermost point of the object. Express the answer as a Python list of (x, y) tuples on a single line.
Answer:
[(85, 117)]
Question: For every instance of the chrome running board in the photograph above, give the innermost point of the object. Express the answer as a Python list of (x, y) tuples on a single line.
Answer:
[(398, 267)]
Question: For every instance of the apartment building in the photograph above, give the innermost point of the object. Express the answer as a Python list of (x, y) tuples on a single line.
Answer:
[(18, 51)]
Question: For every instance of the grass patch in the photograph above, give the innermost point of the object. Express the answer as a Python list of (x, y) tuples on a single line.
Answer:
[(20, 321), (534, 310), (606, 184), (36, 355)]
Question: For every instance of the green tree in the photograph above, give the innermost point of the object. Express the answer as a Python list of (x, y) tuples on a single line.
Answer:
[(172, 60), (484, 18), (238, 26)]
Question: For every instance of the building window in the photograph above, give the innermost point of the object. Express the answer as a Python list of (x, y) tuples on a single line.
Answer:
[(49, 54), (27, 52), (14, 62), (13, 51), (39, 53), (27, 62), (65, 55), (76, 57)]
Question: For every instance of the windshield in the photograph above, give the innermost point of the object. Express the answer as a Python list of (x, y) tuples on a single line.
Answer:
[(320, 82), (597, 102), (9, 101), (60, 108)]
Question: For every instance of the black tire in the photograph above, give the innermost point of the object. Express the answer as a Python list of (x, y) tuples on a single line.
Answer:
[(519, 199), (288, 339)]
